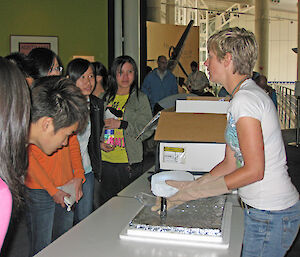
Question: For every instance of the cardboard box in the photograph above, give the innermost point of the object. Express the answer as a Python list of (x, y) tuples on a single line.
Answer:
[(202, 105), (191, 142), (191, 127)]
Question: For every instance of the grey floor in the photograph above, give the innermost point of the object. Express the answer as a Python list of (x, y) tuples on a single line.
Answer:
[(16, 242)]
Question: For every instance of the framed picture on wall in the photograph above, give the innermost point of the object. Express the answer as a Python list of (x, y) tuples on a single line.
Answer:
[(24, 44)]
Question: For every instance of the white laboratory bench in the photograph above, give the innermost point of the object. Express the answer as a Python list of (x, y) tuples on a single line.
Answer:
[(98, 234)]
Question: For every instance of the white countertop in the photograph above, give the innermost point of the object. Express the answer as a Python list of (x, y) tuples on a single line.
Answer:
[(98, 234)]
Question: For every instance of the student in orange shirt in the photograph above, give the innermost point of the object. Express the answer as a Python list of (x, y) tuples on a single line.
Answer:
[(58, 110)]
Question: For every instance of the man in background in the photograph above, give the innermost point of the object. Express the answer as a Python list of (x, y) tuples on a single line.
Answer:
[(159, 83), (197, 80)]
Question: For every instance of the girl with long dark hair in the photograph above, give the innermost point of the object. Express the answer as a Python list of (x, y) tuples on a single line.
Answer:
[(14, 124), (81, 72), (127, 111)]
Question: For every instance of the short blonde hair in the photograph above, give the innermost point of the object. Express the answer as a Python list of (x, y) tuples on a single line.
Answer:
[(240, 43)]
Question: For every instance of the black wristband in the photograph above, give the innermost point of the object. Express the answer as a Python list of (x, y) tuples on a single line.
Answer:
[(124, 124)]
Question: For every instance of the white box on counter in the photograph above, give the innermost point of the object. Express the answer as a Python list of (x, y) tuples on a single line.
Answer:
[(195, 157), (203, 105)]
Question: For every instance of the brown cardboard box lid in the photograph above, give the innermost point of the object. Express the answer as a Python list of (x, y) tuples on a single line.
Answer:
[(191, 127)]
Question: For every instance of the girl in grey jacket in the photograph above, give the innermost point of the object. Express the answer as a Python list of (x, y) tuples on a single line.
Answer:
[(127, 111)]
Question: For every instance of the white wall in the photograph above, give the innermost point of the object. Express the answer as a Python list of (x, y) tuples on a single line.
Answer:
[(282, 38)]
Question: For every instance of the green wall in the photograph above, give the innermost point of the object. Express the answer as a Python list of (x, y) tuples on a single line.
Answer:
[(81, 25)]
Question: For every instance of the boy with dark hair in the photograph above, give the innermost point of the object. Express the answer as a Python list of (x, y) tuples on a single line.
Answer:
[(56, 101), (58, 110)]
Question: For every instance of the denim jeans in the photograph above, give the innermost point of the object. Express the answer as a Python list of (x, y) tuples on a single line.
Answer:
[(46, 220), (85, 205), (270, 233)]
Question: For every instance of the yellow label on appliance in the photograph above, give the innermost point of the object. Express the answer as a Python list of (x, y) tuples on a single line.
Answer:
[(174, 149)]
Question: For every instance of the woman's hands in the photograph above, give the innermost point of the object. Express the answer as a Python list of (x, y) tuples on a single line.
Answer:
[(197, 190), (203, 187)]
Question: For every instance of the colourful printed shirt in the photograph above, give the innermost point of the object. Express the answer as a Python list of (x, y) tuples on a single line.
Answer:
[(115, 109)]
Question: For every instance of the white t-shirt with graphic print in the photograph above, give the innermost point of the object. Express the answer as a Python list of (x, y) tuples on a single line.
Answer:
[(275, 191)]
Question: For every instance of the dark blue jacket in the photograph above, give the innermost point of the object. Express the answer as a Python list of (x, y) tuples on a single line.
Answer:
[(157, 89)]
